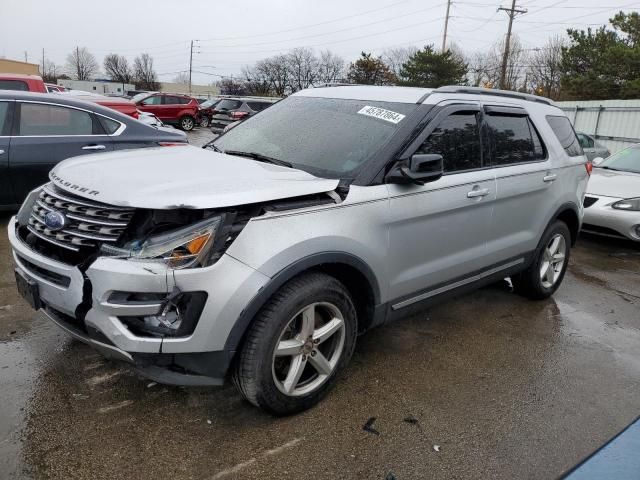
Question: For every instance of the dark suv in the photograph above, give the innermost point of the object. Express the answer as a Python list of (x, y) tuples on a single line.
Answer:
[(180, 110), (230, 110)]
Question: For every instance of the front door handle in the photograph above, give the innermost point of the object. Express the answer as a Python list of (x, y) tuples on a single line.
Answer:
[(94, 147), (550, 177), (478, 192)]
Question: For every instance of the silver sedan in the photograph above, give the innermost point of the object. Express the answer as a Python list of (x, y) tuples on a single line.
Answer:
[(612, 201)]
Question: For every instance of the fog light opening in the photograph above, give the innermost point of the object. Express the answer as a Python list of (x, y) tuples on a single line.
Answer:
[(170, 318)]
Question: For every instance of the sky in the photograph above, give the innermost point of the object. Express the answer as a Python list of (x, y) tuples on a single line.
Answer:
[(230, 34)]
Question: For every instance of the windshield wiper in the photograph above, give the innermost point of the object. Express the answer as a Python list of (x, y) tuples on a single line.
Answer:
[(610, 168), (212, 146), (259, 157)]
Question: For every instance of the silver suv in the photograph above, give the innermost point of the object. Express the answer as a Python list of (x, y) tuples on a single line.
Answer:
[(262, 257)]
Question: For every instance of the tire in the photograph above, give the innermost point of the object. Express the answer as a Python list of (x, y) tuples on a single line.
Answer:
[(187, 123), (312, 302), (533, 282), (204, 122)]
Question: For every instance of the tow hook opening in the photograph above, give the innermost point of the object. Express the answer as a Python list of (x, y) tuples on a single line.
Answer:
[(176, 317)]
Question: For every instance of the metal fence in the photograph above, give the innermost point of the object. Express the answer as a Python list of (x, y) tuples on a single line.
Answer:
[(614, 123)]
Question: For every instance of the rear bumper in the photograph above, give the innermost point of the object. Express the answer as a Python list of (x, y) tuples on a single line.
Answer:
[(602, 219)]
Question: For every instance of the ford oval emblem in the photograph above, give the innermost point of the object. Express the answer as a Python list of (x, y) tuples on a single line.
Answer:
[(55, 220)]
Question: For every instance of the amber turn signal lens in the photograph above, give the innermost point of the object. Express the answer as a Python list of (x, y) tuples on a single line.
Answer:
[(195, 245)]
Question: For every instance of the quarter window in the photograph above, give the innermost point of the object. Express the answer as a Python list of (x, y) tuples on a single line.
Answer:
[(457, 139), (585, 142), (515, 139), (110, 126), (39, 119)]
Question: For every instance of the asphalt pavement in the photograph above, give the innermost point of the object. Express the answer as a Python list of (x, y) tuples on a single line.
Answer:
[(489, 385)]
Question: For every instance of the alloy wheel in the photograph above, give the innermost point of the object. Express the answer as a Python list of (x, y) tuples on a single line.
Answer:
[(308, 349), (553, 258)]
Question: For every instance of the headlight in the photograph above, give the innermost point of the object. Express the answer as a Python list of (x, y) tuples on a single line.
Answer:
[(181, 248), (629, 204)]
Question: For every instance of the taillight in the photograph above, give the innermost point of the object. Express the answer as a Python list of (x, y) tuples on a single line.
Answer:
[(589, 167), (238, 115), (172, 144), (135, 114)]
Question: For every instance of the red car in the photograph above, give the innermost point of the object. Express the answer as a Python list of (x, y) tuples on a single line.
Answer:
[(22, 82), (180, 110)]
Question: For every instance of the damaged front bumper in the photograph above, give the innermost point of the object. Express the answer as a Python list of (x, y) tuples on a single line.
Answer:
[(82, 303)]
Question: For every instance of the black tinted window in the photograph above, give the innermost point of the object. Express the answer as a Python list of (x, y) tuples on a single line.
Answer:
[(457, 139), (228, 104), (515, 139), (585, 142), (563, 130), (14, 85), (38, 119), (4, 108), (258, 106)]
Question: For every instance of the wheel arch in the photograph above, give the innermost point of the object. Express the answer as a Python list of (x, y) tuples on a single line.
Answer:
[(569, 214), (351, 270)]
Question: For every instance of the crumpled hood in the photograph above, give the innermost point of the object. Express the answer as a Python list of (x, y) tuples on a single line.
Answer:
[(610, 183), (181, 177)]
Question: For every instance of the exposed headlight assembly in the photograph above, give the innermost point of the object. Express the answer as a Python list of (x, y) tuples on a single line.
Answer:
[(632, 204), (182, 248)]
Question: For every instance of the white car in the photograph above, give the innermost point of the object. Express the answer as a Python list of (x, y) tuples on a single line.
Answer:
[(612, 202), (153, 121)]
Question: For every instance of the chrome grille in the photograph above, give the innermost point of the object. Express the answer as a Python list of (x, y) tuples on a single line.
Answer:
[(88, 223)]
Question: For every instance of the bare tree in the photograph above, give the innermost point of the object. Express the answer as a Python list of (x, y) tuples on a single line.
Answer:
[(117, 68), (231, 86), (481, 73), (545, 68), (256, 81), (144, 74), (50, 71), (331, 67), (182, 78), (303, 68), (395, 58), (81, 64), (485, 66)]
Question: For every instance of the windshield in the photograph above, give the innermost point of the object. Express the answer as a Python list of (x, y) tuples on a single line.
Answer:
[(208, 103), (627, 160), (325, 136)]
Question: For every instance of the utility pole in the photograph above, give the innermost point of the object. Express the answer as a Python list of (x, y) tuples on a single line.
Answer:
[(78, 61), (190, 65), (511, 12), (42, 72), (446, 26), (26, 56)]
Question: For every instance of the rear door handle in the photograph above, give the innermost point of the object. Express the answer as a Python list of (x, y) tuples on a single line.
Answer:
[(478, 192), (94, 147), (549, 177)]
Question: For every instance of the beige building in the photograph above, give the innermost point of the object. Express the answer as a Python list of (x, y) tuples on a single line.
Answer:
[(16, 66), (196, 90)]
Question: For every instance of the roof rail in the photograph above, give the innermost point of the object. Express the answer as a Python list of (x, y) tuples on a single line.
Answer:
[(497, 93), (337, 84)]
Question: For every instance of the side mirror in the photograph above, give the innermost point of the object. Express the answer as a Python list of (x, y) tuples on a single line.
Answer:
[(597, 161), (421, 168)]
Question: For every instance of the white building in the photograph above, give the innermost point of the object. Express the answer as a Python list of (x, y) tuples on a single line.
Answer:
[(103, 87)]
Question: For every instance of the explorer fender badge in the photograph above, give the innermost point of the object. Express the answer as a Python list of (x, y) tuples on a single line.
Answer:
[(72, 186)]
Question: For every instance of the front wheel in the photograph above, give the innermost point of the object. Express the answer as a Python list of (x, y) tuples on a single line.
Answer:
[(204, 122), (545, 274), (187, 123), (297, 345)]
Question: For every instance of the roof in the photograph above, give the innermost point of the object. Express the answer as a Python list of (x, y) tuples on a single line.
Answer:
[(20, 75), (373, 93), (412, 94), (61, 100)]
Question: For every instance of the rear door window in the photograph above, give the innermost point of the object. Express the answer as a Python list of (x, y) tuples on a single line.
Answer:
[(14, 85), (228, 105), (565, 134), (4, 116), (40, 120), (514, 139), (457, 139)]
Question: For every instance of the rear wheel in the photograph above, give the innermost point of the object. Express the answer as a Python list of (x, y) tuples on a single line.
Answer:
[(546, 273), (187, 123), (297, 345)]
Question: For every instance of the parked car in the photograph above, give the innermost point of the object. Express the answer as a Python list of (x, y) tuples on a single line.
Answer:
[(229, 110), (21, 82), (206, 112), (150, 119), (39, 130), (53, 88), (335, 210), (612, 202), (119, 104), (591, 147), (180, 110)]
